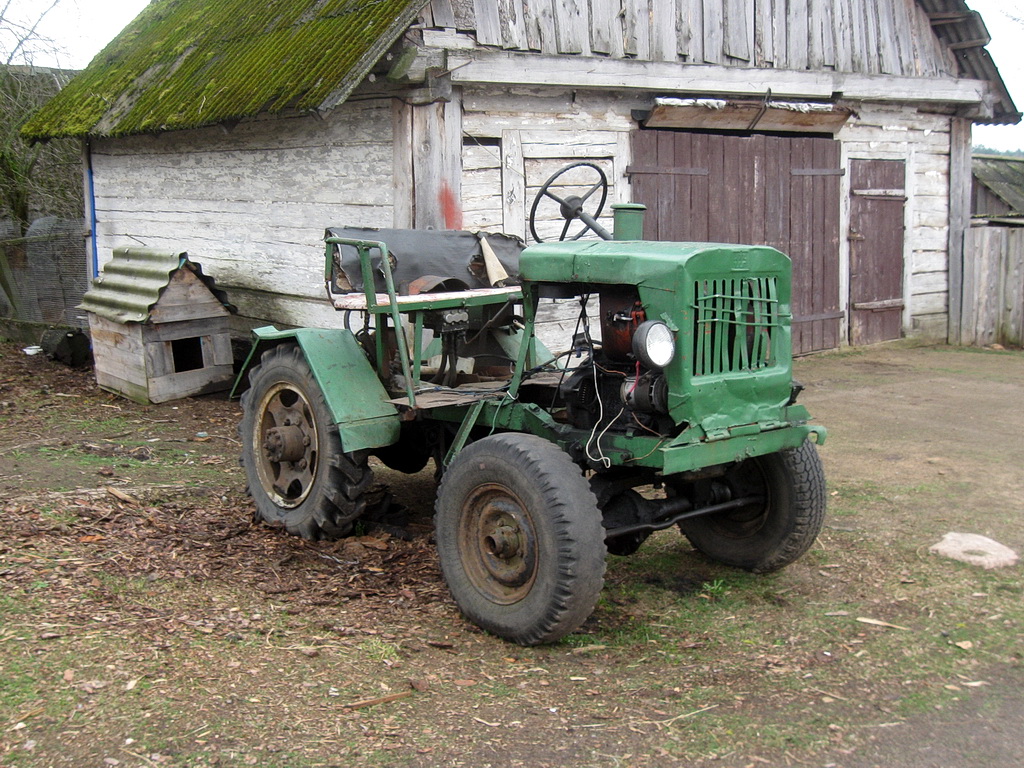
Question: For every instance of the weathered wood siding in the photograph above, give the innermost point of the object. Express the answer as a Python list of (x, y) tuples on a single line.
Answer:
[(993, 297), (515, 138), (251, 204), (891, 37), (922, 142)]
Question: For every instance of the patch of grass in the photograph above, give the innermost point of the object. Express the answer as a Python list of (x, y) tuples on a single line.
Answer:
[(849, 499), (63, 516), (134, 589), (377, 649), (87, 460), (16, 603), (716, 734), (713, 590), (112, 424)]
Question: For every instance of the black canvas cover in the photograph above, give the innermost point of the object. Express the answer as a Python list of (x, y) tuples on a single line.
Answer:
[(423, 258)]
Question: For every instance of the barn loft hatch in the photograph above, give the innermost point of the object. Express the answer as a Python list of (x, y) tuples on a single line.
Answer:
[(764, 115)]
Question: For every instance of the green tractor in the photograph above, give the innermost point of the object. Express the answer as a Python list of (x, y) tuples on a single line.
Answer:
[(678, 379)]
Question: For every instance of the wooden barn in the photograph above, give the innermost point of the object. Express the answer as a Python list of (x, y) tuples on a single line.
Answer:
[(836, 130)]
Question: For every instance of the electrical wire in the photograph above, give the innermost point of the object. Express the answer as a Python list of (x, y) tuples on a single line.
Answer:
[(641, 458), (580, 320), (497, 409), (644, 426)]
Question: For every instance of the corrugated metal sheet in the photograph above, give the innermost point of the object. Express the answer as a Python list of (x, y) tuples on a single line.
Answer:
[(132, 282), (1003, 176), (188, 63), (965, 34)]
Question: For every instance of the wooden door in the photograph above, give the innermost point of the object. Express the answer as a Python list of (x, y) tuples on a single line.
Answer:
[(878, 198), (781, 191)]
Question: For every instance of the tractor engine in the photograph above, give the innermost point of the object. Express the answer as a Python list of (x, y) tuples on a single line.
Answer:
[(618, 383)]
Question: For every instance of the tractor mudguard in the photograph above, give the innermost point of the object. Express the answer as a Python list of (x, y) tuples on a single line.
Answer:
[(357, 400)]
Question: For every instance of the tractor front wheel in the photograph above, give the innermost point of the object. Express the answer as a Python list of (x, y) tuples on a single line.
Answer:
[(520, 539), (297, 470), (782, 521)]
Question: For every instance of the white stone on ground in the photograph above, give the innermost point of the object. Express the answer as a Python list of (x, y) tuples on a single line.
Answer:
[(976, 550)]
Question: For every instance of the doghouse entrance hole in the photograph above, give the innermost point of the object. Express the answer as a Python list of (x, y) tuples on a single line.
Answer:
[(188, 354)]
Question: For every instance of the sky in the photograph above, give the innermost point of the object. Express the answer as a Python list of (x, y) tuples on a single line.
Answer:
[(84, 27)]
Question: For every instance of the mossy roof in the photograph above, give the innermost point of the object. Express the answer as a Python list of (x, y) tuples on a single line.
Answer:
[(189, 63)]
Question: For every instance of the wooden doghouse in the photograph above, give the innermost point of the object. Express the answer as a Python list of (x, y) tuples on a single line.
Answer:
[(159, 327)]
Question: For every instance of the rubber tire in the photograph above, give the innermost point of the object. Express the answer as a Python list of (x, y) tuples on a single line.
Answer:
[(569, 558), (335, 497), (794, 484)]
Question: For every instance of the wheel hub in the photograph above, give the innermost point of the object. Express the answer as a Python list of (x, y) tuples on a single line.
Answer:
[(570, 208), (285, 444), (285, 440), (499, 544), (504, 542)]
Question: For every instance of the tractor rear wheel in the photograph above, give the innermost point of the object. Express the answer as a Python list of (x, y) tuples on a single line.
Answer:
[(298, 472), (520, 538), (779, 527)]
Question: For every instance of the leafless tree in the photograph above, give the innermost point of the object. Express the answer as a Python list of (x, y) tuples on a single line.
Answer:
[(31, 176), (35, 179), (20, 39)]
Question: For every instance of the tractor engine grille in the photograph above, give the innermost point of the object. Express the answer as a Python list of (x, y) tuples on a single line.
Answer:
[(736, 322)]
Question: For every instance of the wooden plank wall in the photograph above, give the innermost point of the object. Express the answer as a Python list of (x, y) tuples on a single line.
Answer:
[(922, 141), (507, 159), (892, 37), (251, 204), (993, 285), (514, 140)]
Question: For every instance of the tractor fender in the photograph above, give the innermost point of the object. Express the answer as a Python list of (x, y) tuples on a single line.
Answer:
[(357, 400)]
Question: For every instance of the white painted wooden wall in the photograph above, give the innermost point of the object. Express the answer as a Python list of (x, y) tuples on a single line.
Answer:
[(503, 152), (922, 141), (251, 204)]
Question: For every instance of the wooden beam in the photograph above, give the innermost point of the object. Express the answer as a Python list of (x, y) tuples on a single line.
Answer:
[(444, 16), (959, 219), (513, 185), (402, 180), (981, 42), (948, 17), (507, 68)]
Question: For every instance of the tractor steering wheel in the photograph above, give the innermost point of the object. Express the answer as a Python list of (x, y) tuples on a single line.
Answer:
[(572, 206)]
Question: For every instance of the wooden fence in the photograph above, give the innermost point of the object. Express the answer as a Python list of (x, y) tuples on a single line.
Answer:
[(993, 287)]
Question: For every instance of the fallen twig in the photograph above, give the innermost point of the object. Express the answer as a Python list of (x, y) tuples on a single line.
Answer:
[(827, 693), (122, 496), (877, 623), (379, 700), (671, 720)]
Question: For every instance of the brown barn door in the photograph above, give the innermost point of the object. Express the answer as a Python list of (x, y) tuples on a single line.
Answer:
[(876, 237), (777, 190)]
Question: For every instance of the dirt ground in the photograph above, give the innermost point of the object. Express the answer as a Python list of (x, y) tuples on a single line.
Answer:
[(146, 620)]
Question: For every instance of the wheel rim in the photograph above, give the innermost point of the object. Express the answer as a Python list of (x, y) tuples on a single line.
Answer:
[(285, 443), (498, 544)]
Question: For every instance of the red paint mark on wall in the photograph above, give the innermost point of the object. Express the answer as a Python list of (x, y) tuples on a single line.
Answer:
[(450, 208)]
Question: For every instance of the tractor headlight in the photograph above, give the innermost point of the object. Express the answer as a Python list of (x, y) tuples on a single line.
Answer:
[(654, 345)]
